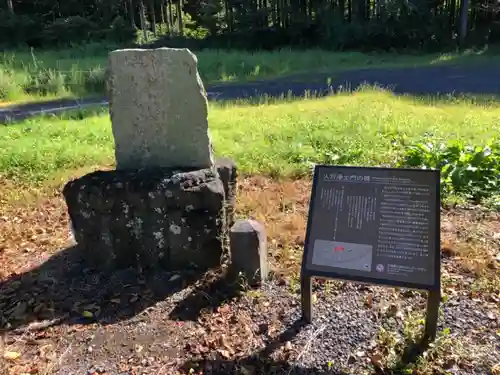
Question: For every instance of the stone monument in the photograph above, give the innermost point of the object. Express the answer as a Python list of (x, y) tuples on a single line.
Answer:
[(167, 203), (159, 109)]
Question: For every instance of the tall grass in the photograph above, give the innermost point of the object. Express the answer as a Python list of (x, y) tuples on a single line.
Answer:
[(80, 71)]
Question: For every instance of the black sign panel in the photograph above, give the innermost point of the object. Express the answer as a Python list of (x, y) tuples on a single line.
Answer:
[(374, 225)]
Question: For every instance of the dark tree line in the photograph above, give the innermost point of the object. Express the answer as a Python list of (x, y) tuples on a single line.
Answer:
[(263, 24)]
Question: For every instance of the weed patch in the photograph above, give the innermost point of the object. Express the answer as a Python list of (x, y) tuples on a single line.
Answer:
[(472, 171)]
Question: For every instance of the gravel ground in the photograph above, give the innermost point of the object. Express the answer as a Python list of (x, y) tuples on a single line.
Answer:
[(209, 327), (58, 316)]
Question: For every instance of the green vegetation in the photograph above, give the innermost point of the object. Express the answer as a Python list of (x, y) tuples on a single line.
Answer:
[(287, 136), (471, 171), (252, 24), (80, 71)]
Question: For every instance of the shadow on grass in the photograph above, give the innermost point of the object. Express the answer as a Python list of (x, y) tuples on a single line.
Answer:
[(66, 289), (424, 81), (439, 80), (64, 109)]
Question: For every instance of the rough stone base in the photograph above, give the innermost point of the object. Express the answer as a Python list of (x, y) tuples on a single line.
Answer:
[(161, 217)]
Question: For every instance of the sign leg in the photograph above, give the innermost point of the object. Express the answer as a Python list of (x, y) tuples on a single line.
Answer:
[(306, 296), (431, 320)]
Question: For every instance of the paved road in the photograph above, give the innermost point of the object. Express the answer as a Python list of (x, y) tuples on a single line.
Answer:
[(414, 81)]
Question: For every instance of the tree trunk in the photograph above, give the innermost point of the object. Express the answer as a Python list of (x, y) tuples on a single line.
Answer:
[(452, 13), (143, 21), (164, 18), (10, 6), (341, 10), (179, 17), (152, 11), (229, 19), (464, 14), (170, 15), (131, 12), (276, 13)]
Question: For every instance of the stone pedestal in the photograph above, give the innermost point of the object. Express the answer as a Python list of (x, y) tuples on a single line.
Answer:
[(171, 218)]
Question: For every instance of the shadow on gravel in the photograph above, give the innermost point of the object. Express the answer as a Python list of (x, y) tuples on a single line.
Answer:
[(256, 366), (260, 362), (207, 297), (65, 289)]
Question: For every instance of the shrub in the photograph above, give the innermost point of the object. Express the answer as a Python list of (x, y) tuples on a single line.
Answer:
[(64, 31), (19, 29), (466, 170), (121, 31)]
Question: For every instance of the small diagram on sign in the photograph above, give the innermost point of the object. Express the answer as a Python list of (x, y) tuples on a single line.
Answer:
[(380, 268), (345, 255)]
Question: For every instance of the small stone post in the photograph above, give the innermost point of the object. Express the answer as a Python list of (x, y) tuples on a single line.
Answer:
[(248, 246)]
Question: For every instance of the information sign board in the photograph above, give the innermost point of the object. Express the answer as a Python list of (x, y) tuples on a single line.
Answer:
[(374, 225)]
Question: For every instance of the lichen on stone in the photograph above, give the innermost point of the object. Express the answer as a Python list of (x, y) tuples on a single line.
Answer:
[(136, 226), (160, 239), (106, 237), (175, 229)]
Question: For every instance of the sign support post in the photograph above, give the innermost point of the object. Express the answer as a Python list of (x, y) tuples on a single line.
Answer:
[(306, 297), (432, 315)]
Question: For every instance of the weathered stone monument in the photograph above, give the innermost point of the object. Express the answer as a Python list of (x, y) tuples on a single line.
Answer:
[(167, 203), (159, 109)]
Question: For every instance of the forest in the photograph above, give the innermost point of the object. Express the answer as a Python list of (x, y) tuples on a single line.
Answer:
[(428, 25)]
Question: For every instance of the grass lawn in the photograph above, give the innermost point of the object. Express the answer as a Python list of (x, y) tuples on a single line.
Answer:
[(28, 75), (286, 138), (274, 144)]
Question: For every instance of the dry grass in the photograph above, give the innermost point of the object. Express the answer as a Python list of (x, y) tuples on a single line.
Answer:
[(35, 225), (282, 206), (472, 239)]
